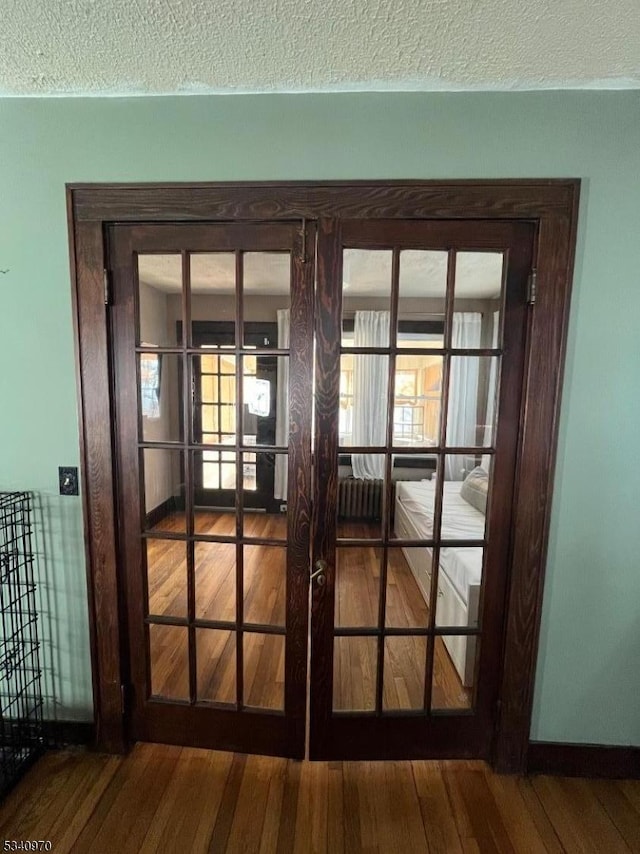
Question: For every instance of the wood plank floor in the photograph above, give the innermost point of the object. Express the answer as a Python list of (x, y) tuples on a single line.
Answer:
[(357, 603), (171, 799)]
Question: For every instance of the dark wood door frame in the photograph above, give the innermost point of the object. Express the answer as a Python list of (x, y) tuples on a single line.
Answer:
[(551, 204)]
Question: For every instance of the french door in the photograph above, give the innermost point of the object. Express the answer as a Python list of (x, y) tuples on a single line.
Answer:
[(383, 530), (417, 409), (215, 589)]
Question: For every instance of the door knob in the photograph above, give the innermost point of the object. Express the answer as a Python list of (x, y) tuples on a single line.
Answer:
[(320, 568)]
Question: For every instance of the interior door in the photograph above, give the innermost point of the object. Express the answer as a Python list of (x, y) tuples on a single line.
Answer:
[(416, 431), (216, 592)]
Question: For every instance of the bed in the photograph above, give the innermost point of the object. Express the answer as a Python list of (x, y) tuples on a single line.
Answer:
[(460, 575)]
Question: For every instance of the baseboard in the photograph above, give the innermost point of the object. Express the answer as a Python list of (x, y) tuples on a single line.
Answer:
[(65, 733), (155, 516), (583, 760)]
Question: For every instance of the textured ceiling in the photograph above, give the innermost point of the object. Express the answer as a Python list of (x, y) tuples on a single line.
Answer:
[(367, 273), (125, 47)]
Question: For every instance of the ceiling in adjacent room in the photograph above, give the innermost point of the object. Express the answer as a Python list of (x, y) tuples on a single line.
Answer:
[(129, 47), (366, 273)]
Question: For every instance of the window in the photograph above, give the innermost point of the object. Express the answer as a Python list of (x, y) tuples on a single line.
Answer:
[(418, 385)]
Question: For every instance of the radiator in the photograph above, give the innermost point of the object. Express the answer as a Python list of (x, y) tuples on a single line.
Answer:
[(359, 499)]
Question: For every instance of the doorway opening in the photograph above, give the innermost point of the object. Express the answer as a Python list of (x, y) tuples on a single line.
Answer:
[(366, 498)]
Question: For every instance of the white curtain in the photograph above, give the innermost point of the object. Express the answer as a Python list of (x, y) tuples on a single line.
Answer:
[(370, 383), (282, 407), (491, 401), (462, 415)]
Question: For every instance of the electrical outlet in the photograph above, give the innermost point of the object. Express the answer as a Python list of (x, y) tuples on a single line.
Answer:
[(68, 480), (283, 508)]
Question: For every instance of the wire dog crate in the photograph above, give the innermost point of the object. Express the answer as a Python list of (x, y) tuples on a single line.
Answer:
[(21, 730)]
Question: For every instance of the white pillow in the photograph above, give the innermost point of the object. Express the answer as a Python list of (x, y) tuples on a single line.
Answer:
[(474, 489)]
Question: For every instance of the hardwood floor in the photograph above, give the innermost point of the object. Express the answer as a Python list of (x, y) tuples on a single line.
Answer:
[(357, 603), (171, 799)]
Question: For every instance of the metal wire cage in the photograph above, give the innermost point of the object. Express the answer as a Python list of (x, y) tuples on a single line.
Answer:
[(21, 729)]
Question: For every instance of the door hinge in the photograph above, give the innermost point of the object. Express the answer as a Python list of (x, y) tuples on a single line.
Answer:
[(106, 284), (124, 697), (532, 287)]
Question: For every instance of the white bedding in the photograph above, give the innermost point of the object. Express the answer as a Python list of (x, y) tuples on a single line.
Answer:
[(460, 521)]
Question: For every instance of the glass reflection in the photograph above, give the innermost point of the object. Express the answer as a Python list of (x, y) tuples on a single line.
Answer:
[(166, 577), (263, 657), (408, 586), (478, 298), (404, 672), (160, 404), (159, 300), (213, 299), (265, 585), (362, 419), (465, 497), (361, 495), (357, 583), (164, 490), (216, 665), (417, 400), (215, 581), (454, 662), (169, 661), (354, 673), (421, 298), (366, 297), (471, 416)]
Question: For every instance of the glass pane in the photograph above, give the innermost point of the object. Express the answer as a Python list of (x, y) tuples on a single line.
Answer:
[(404, 669), (249, 473), (357, 593), (361, 495), (266, 300), (211, 424), (354, 673), (265, 585), (167, 577), (473, 382), (408, 587), (219, 470), (265, 503), (417, 400), (169, 661), (464, 497), (478, 297), (413, 513), (269, 526), (362, 418), (421, 298), (216, 665), (366, 297), (453, 672), (459, 584), (164, 489), (160, 300), (213, 300), (266, 400), (217, 521), (160, 403), (215, 581), (263, 670)]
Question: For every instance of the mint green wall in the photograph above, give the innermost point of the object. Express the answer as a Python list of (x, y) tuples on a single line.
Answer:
[(588, 676)]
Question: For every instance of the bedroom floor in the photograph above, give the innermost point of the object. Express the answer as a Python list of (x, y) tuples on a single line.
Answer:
[(172, 799), (357, 602)]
